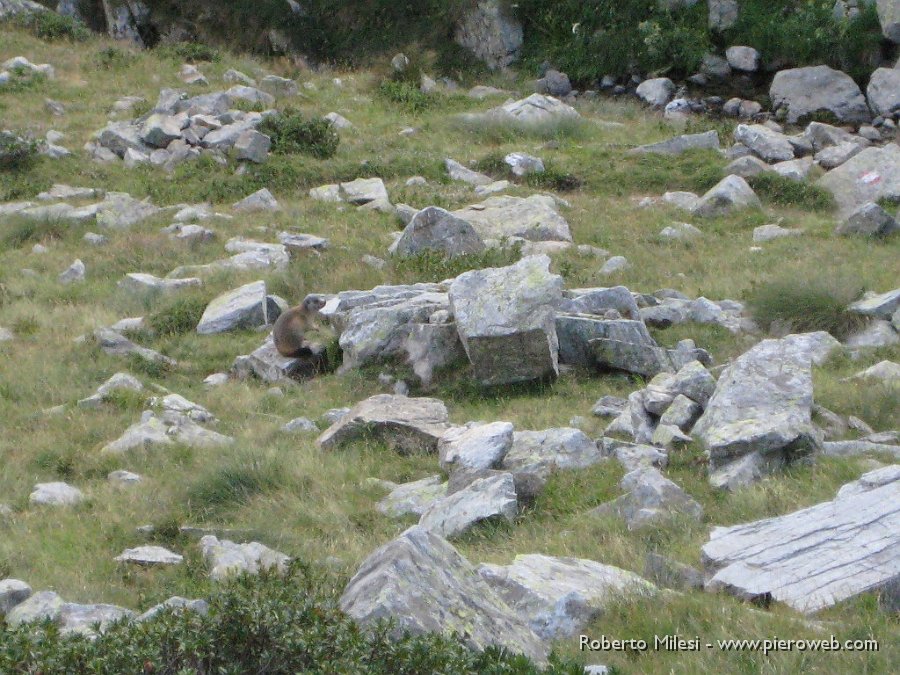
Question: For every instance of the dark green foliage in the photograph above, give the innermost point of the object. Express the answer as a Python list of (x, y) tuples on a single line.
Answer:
[(407, 95), (264, 624), (786, 192), (192, 52), (16, 153), (113, 58), (435, 266), (793, 33), (178, 316), (800, 305), (52, 26), (233, 484), (291, 132)]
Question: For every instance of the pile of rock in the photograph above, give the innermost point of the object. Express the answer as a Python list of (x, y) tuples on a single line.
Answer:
[(179, 128)]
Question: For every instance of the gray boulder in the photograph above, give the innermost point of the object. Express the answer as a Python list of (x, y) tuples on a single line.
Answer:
[(475, 445), (522, 164), (759, 417), (535, 455), (505, 319), (559, 597), (116, 344), (12, 593), (175, 604), (55, 494), (407, 425), (769, 145), (535, 111), (816, 557), (869, 220), (457, 171), (889, 16), (871, 176), (149, 556), (363, 191), (38, 607), (426, 586), (748, 166), (745, 59), (159, 130), (554, 83), (241, 308), (730, 194), (252, 146), (261, 200), (138, 282), (723, 14), (535, 218), (649, 499), (491, 32), (266, 364), (656, 92), (708, 140), (434, 229), (483, 499), (883, 91), (834, 156), (279, 87), (879, 306), (623, 344), (803, 92), (227, 559), (413, 498)]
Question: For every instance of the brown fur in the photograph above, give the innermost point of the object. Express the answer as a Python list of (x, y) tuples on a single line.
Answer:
[(291, 326)]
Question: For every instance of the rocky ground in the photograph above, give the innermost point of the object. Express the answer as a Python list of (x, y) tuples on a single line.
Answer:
[(541, 403)]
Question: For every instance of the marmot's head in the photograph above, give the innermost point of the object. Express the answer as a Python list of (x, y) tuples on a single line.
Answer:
[(313, 302)]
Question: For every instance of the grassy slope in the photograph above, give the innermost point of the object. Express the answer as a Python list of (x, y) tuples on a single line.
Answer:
[(314, 505)]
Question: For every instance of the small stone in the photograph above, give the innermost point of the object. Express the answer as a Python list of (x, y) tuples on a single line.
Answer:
[(149, 556)]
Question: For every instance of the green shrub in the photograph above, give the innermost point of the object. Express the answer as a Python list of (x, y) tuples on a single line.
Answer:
[(179, 316), (52, 26), (16, 153), (233, 484), (407, 95), (192, 52), (279, 625), (800, 305), (786, 192), (113, 58), (292, 133)]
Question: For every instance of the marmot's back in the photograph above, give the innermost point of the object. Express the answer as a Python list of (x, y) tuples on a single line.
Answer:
[(291, 326)]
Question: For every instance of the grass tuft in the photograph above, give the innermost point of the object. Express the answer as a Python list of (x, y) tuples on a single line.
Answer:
[(786, 192)]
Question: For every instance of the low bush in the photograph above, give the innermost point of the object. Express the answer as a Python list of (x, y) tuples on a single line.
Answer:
[(16, 152), (291, 132), (786, 192), (799, 305), (407, 94), (192, 52), (52, 26), (178, 316), (265, 624), (113, 58)]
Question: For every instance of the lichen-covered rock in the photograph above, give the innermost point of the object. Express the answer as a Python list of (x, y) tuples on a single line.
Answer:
[(426, 586), (475, 445), (534, 111), (872, 175), (624, 344), (650, 498), (560, 596), (730, 194), (535, 455), (56, 494), (483, 499), (413, 498), (226, 558), (505, 319), (803, 92), (407, 425), (816, 557), (117, 344), (889, 16), (243, 307), (759, 417), (12, 593), (869, 220), (769, 145), (491, 33), (535, 218), (434, 229), (879, 306)]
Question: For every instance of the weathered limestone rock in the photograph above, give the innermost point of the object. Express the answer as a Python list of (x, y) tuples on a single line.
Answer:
[(149, 556), (856, 448), (794, 169), (505, 319), (431, 347), (708, 140), (536, 454), (226, 558), (650, 498), (426, 586), (243, 307), (878, 333), (55, 494), (483, 499), (759, 417), (407, 425), (560, 596), (363, 191), (280, 87), (730, 194), (769, 145), (434, 229), (535, 218), (491, 33), (814, 558), (624, 344), (413, 498), (12, 593), (802, 92), (475, 445)]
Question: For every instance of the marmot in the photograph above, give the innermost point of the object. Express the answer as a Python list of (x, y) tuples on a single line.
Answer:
[(292, 324)]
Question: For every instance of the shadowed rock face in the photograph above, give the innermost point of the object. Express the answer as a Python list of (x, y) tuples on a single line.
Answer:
[(408, 425), (814, 558), (806, 91), (425, 585)]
